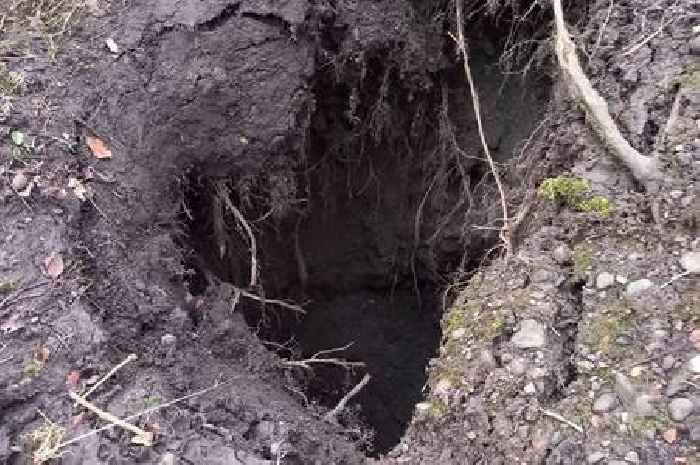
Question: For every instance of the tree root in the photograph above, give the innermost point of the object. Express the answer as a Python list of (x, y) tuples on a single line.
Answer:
[(645, 169)]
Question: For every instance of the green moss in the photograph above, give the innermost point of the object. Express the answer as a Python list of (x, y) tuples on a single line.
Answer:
[(31, 368), (689, 78), (8, 285), (602, 330), (659, 422), (455, 319), (151, 400), (582, 259), (437, 408), (11, 82), (574, 193), (596, 204), (489, 328)]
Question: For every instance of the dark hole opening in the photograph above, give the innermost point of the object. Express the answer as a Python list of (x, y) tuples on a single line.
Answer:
[(367, 228)]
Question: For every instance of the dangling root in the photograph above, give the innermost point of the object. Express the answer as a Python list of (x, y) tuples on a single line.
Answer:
[(645, 169)]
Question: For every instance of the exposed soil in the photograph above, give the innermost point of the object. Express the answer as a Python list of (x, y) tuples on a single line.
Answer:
[(333, 145)]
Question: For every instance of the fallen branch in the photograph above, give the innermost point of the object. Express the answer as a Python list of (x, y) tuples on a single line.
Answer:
[(111, 373), (645, 169), (330, 416), (558, 417), (505, 232), (141, 437)]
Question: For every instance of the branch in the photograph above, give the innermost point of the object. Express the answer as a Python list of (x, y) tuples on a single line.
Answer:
[(645, 169), (346, 398)]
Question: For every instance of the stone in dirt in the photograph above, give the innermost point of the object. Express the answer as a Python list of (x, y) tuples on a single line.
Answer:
[(639, 286), (562, 254), (690, 261), (605, 280), (605, 403), (680, 408), (531, 335), (694, 364)]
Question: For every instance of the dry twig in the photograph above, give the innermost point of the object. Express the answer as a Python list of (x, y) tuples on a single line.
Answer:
[(558, 417), (111, 373), (645, 169), (346, 398), (318, 359)]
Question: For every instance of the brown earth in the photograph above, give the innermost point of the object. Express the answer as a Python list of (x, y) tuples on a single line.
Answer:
[(342, 131)]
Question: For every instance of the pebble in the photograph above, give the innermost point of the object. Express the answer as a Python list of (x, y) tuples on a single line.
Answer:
[(695, 46), (518, 366), (562, 254), (443, 387), (168, 340), (644, 406), (632, 457), (690, 261), (530, 389), (604, 280), (605, 402), (595, 457), (677, 384), (531, 335), (639, 286), (621, 279), (167, 459), (668, 362), (20, 181), (694, 364), (680, 408), (670, 435)]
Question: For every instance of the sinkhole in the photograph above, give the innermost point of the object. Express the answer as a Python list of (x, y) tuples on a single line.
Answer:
[(367, 227)]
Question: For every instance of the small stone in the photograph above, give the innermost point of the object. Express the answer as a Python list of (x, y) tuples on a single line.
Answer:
[(423, 406), (111, 45), (518, 366), (694, 364), (677, 384), (605, 403), (542, 276), (621, 279), (644, 405), (632, 457), (694, 337), (20, 181), (695, 46), (530, 389), (675, 194), (690, 261), (668, 362), (670, 435), (680, 408), (459, 333), (562, 254), (595, 457), (635, 372), (443, 387), (531, 335), (604, 280), (167, 459), (639, 286), (168, 340)]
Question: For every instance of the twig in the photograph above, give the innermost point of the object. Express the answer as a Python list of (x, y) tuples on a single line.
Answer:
[(346, 398), (317, 359), (146, 436), (675, 278), (140, 414), (645, 169), (556, 416), (241, 219), (111, 373), (641, 44), (602, 30), (505, 230), (263, 300)]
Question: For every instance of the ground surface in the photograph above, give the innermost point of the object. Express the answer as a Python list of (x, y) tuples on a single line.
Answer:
[(98, 255)]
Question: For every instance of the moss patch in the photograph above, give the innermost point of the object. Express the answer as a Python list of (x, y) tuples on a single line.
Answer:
[(574, 192), (582, 259), (11, 82), (689, 78), (602, 331)]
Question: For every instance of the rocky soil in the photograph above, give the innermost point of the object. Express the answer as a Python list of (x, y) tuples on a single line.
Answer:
[(582, 347)]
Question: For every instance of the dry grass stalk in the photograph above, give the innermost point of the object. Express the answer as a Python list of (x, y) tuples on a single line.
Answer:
[(645, 169)]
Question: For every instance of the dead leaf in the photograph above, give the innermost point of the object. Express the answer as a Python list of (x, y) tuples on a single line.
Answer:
[(98, 148), (54, 265), (41, 354), (670, 435), (72, 378)]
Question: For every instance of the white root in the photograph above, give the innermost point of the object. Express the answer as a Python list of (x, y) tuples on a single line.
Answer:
[(645, 169), (330, 416), (505, 230)]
